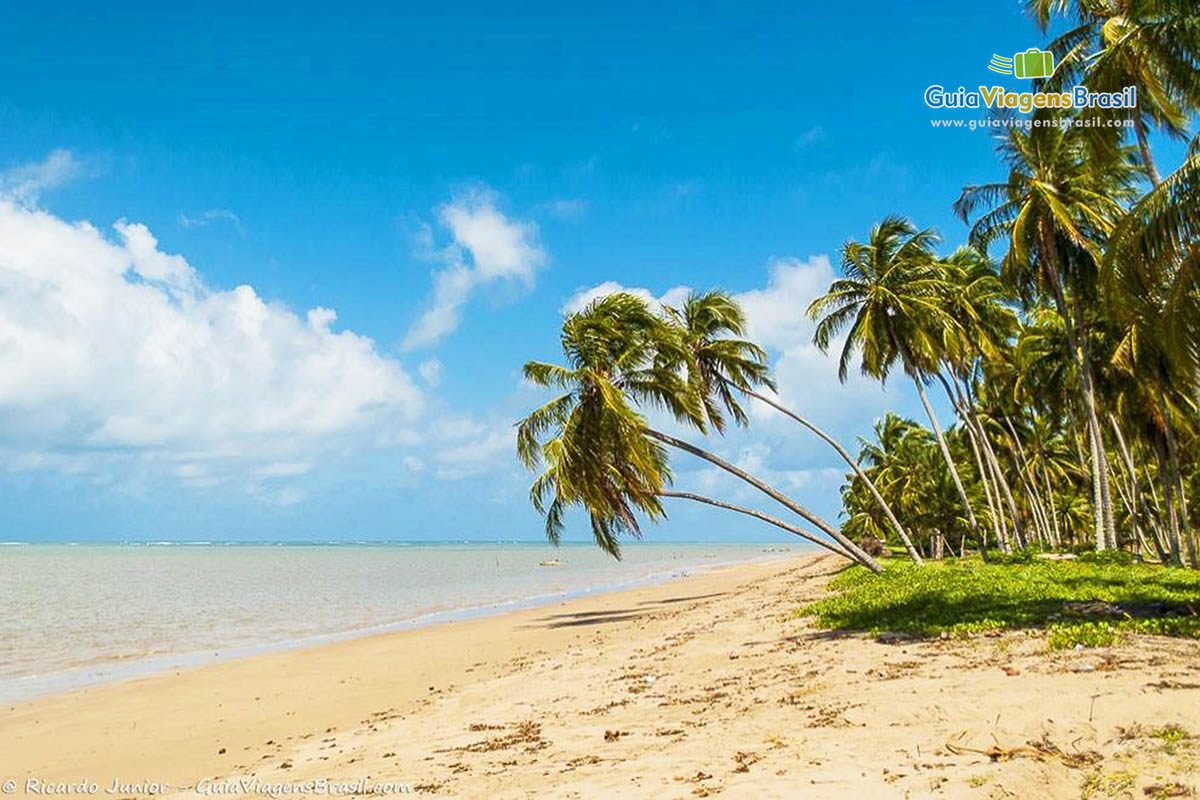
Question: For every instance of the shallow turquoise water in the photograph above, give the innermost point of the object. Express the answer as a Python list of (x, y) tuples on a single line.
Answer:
[(77, 614)]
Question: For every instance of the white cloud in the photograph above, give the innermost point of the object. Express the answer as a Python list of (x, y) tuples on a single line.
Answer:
[(477, 454), (25, 182), (431, 372), (486, 247), (283, 469), (463, 446), (777, 318), (117, 358), (578, 301), (210, 216)]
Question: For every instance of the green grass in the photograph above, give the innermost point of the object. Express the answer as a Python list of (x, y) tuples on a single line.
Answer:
[(968, 596)]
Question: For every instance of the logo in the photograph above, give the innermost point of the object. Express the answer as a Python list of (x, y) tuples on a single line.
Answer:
[(1033, 63)]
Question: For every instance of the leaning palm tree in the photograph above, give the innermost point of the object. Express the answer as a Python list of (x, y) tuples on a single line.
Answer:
[(892, 305), (595, 448), (722, 366), (1056, 210), (597, 456)]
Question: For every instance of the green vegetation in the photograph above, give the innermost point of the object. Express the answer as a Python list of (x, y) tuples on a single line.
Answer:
[(1077, 602), (1171, 736), (1063, 330)]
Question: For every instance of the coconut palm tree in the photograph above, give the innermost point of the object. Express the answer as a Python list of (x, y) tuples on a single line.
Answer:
[(594, 447), (723, 366), (891, 303), (905, 462), (1153, 256), (597, 455), (1055, 212), (1153, 45), (978, 302)]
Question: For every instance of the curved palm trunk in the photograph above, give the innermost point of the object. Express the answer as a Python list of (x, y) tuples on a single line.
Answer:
[(1135, 499), (941, 440), (1057, 527), (997, 519), (965, 405), (859, 554), (778, 523), (913, 553), (1018, 528), (1154, 513), (954, 476), (1036, 504), (1176, 546)]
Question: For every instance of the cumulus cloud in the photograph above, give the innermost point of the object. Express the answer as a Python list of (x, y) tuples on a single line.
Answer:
[(485, 248), (581, 298), (25, 182), (776, 317), (118, 355)]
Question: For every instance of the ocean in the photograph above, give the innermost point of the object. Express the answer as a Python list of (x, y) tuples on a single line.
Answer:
[(73, 615)]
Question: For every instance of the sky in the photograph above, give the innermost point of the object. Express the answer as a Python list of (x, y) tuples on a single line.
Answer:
[(271, 272)]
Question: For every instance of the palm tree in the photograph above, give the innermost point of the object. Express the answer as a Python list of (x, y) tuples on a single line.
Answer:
[(1153, 45), (892, 301), (597, 455), (978, 302), (905, 462), (1153, 256), (595, 448), (721, 364), (1056, 209)]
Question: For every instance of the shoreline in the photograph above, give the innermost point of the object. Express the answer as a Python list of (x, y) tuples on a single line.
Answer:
[(137, 702), (23, 688), (694, 687)]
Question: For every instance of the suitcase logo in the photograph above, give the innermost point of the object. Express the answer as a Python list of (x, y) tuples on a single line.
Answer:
[(1033, 63)]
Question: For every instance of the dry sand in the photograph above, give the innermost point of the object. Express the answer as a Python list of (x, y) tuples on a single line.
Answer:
[(702, 686)]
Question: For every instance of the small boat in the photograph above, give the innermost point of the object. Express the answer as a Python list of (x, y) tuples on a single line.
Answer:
[(550, 562)]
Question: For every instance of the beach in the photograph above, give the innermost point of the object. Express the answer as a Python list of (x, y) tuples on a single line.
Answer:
[(697, 686)]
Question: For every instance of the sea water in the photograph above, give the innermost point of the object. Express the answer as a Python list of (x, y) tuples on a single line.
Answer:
[(78, 614)]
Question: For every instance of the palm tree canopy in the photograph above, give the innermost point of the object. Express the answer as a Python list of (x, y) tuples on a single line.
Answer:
[(589, 441), (890, 301), (718, 362), (1057, 196)]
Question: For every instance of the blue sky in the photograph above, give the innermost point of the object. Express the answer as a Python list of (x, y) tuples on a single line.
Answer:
[(446, 181)]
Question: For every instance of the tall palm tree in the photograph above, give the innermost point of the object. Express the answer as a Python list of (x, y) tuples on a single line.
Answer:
[(1056, 210), (593, 445), (722, 365), (892, 304), (1153, 45), (977, 300)]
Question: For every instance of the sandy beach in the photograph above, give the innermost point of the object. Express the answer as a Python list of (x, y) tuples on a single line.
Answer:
[(704, 685)]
